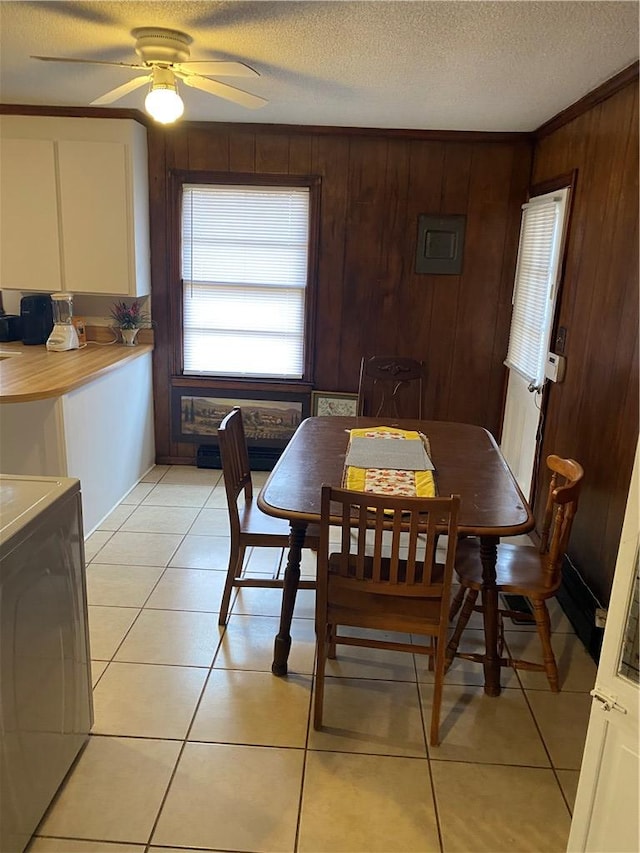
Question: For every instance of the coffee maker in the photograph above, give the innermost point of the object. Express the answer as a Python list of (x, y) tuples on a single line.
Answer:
[(64, 335)]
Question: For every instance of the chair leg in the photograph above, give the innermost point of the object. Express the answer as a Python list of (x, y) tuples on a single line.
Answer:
[(456, 603), (543, 624), (331, 639), (236, 558), (322, 650), (467, 609), (434, 734)]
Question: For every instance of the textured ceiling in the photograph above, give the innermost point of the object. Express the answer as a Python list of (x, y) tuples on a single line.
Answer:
[(503, 66)]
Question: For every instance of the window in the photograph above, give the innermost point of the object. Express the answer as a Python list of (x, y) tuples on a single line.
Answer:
[(536, 284), (245, 262)]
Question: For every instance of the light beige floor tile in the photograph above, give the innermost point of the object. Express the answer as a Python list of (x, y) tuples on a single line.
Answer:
[(569, 784), (465, 671), (202, 552), (94, 543), (363, 662), (145, 700), (172, 637), (258, 786), (576, 667), (173, 494), (119, 515), (218, 498), (257, 601), (107, 629), (248, 644), (253, 708), (69, 845), (155, 474), (97, 668), (486, 729), (139, 549), (120, 586), (161, 519), (563, 719), (259, 478), (366, 804), (137, 494), (188, 589), (380, 717), (211, 522), (115, 790), (264, 561), (190, 475), (488, 808), (560, 623)]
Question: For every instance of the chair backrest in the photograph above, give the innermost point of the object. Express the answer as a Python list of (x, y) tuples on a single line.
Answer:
[(236, 469), (401, 563), (390, 387), (560, 510)]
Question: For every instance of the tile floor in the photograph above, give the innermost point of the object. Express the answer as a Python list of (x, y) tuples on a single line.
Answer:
[(196, 746)]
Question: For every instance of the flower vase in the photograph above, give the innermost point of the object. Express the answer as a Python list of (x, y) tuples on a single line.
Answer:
[(129, 336)]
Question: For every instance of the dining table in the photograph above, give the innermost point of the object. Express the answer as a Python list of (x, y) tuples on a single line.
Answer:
[(467, 462)]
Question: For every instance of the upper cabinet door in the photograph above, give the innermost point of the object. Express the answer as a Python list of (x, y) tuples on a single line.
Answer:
[(97, 233), (29, 231), (75, 205)]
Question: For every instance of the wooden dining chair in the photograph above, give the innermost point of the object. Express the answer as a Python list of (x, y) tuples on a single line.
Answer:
[(523, 570), (249, 525), (390, 387), (384, 578)]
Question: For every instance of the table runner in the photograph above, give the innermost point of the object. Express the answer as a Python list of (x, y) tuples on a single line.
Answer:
[(390, 481)]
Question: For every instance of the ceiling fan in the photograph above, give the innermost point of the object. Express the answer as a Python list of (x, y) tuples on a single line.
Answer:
[(164, 56)]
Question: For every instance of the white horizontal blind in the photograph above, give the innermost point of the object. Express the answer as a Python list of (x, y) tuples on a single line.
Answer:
[(535, 287), (244, 272)]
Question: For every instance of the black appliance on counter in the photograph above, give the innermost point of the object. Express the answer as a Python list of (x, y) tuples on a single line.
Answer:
[(36, 314), (10, 327)]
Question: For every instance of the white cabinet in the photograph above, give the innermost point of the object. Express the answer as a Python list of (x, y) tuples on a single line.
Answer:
[(75, 205)]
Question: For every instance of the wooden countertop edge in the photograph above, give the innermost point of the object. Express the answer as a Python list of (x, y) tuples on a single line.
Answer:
[(126, 354)]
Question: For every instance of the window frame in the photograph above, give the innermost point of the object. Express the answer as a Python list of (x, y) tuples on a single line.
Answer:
[(180, 177)]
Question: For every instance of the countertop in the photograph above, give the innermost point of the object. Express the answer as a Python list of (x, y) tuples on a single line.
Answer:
[(35, 373)]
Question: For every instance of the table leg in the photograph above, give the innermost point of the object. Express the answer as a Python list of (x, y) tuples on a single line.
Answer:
[(488, 557), (282, 642)]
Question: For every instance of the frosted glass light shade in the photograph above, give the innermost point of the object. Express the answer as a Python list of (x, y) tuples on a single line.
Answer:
[(164, 105)]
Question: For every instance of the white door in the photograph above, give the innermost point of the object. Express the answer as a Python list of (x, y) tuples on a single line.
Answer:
[(536, 284), (605, 818)]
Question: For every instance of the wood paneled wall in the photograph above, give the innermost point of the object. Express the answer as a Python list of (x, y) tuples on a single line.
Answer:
[(369, 299), (593, 415)]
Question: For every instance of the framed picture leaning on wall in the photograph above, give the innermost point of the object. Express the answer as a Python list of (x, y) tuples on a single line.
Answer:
[(333, 403)]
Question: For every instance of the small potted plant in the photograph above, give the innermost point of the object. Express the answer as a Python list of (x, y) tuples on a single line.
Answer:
[(129, 319)]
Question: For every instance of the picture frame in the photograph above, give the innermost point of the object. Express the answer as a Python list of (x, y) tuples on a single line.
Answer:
[(269, 418), (334, 403)]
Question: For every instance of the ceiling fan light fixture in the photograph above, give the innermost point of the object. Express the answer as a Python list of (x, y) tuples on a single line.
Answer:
[(163, 103)]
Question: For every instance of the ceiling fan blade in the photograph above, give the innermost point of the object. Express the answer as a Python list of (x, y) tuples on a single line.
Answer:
[(87, 61), (121, 91), (219, 68), (222, 90)]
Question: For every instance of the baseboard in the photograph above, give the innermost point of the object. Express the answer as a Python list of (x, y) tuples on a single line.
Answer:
[(580, 604)]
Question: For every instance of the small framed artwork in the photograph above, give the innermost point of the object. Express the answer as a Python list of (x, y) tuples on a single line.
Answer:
[(269, 419), (333, 403)]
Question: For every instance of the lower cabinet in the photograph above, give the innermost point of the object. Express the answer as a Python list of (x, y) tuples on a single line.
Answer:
[(101, 433)]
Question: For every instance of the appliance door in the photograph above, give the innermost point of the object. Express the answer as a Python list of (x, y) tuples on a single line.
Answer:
[(45, 696)]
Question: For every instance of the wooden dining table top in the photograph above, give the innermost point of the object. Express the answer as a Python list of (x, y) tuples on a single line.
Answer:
[(467, 461)]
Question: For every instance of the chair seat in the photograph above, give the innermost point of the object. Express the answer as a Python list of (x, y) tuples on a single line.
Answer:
[(254, 522), (519, 569)]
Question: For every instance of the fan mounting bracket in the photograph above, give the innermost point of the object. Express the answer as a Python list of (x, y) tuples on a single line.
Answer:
[(156, 44)]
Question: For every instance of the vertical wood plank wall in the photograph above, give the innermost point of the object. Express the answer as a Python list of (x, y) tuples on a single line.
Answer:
[(593, 414), (369, 299)]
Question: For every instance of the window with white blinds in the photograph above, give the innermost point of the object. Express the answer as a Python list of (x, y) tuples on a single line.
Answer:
[(244, 271), (536, 284)]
